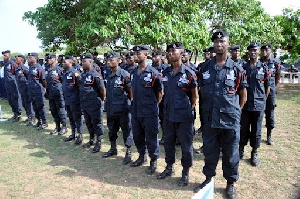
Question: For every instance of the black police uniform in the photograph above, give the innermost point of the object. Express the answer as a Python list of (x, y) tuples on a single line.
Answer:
[(91, 105), (144, 109), (221, 116), (12, 90), (22, 73), (253, 110), (36, 91), (117, 109), (70, 86), (56, 98)]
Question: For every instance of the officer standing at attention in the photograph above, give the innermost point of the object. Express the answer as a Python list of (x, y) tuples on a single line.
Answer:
[(55, 95), (118, 96), (22, 73), (181, 95), (275, 74), (92, 95), (235, 51), (36, 90), (147, 94), (252, 114), (13, 95), (223, 86), (186, 59), (70, 86), (130, 63)]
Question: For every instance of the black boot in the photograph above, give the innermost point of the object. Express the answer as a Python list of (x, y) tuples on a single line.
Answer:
[(152, 168), (169, 171), (269, 137), (54, 131), (254, 158), (112, 151), (97, 146), (79, 139), (241, 151), (184, 180), (200, 150), (71, 137), (141, 160), (89, 143), (230, 191), (43, 125), (127, 158), (12, 118), (64, 130), (17, 117), (39, 122), (202, 185)]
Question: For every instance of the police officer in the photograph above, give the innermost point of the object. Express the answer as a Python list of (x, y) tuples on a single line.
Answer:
[(124, 62), (75, 64), (147, 94), (180, 87), (130, 63), (275, 74), (13, 95), (55, 95), (223, 88), (235, 51), (92, 95), (70, 86), (36, 89), (253, 111), (186, 59), (22, 73), (119, 93)]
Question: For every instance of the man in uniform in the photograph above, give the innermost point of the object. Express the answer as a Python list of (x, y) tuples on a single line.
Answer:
[(92, 95), (55, 95), (252, 114), (36, 89), (22, 73), (275, 74), (235, 52), (119, 93), (130, 63), (223, 86), (180, 86), (70, 86), (147, 94), (124, 62), (13, 95)]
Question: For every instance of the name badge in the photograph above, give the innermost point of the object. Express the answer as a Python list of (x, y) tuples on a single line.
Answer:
[(231, 75)]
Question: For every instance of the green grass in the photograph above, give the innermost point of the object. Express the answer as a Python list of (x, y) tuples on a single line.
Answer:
[(36, 165)]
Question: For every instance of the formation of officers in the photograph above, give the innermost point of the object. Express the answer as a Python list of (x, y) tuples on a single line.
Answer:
[(137, 96)]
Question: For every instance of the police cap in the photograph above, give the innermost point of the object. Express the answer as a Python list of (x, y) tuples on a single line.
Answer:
[(50, 56), (87, 56), (253, 45), (67, 57), (21, 56), (33, 54), (235, 47), (113, 55), (206, 50), (188, 51), (266, 46), (95, 53), (175, 45), (6, 51), (130, 54), (219, 34), (156, 53), (141, 48)]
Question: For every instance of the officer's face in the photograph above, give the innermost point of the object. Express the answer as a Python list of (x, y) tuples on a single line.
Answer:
[(6, 56), (156, 59), (207, 55), (235, 53), (174, 55), (32, 60), (19, 60), (113, 62), (87, 64), (253, 53), (67, 63), (266, 52), (51, 61), (221, 45), (130, 60), (185, 57), (140, 56)]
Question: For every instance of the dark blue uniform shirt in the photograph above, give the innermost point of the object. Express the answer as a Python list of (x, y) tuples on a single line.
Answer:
[(35, 76), (22, 73), (177, 103), (9, 71), (70, 86), (275, 69), (54, 85)]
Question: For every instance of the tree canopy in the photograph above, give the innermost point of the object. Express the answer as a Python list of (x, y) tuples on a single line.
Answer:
[(83, 25)]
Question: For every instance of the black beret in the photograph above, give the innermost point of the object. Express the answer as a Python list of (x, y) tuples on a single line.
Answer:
[(33, 54), (266, 46), (141, 48), (68, 57), (4, 52), (188, 51), (219, 34), (50, 56), (175, 45), (74, 55), (211, 49), (156, 53), (163, 54), (206, 50), (95, 53), (123, 54), (113, 55), (22, 56), (87, 56), (253, 45), (61, 55), (130, 54), (235, 47)]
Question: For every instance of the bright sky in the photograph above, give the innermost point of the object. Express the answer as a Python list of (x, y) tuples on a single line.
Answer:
[(18, 36)]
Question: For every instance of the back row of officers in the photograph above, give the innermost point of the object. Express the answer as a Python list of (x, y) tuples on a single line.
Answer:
[(233, 96)]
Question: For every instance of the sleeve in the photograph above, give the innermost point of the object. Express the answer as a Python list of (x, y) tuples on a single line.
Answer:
[(127, 82), (158, 86), (241, 79), (99, 82), (43, 74), (77, 78), (192, 81), (200, 78), (267, 76)]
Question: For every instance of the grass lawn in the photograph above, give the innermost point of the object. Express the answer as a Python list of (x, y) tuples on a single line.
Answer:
[(34, 164)]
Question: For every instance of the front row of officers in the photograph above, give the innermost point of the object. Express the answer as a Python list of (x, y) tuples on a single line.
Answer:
[(230, 114)]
